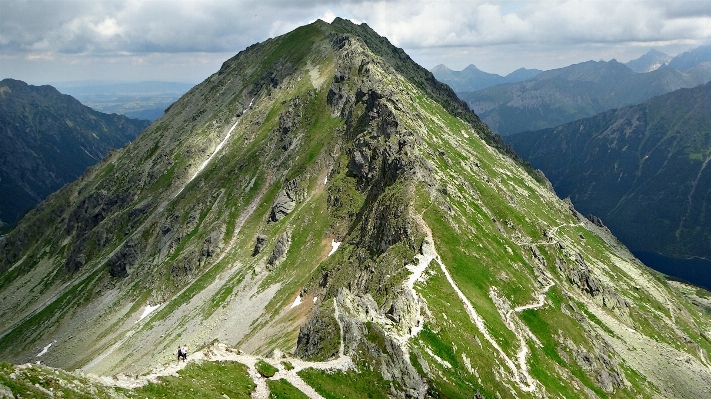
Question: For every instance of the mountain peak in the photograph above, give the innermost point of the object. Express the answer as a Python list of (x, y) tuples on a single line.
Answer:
[(323, 196), (650, 61)]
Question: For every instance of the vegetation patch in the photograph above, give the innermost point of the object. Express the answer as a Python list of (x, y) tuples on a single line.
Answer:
[(201, 380), (366, 384), (265, 369), (282, 389)]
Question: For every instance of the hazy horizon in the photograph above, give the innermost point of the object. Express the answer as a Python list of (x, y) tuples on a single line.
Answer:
[(44, 42)]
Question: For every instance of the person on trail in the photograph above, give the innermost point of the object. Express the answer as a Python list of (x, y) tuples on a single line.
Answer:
[(182, 353)]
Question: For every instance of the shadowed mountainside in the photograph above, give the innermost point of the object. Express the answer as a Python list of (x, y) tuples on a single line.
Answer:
[(47, 140), (643, 169)]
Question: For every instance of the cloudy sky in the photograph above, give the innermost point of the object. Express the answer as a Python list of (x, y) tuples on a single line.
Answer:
[(179, 40)]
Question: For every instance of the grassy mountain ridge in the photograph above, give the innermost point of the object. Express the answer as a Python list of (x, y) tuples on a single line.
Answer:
[(323, 198), (578, 91), (642, 169), (47, 140)]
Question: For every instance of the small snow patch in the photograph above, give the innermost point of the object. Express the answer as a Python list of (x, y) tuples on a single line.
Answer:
[(296, 303), (334, 247), (148, 310), (45, 349)]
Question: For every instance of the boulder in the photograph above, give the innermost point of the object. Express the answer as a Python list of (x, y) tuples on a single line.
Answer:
[(261, 241)]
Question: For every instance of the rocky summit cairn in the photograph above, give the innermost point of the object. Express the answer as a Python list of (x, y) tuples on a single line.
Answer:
[(324, 198)]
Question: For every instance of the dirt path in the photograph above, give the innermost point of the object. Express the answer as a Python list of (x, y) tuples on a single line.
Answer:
[(429, 252), (221, 352)]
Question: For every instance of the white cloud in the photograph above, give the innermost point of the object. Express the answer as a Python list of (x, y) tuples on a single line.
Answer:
[(108, 27), (455, 32)]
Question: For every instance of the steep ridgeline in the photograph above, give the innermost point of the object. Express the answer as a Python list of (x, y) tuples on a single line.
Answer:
[(692, 58), (643, 169), (472, 78), (577, 91), (47, 140), (324, 198)]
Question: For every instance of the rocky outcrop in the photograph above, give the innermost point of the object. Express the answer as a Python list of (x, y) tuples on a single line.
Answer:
[(319, 339), (280, 249), (126, 258), (581, 276), (94, 208), (211, 245), (285, 201), (259, 244), (363, 335)]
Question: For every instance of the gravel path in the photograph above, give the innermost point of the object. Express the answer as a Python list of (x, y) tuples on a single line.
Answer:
[(221, 352)]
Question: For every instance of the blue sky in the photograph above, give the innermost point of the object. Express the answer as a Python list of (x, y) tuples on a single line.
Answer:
[(178, 40)]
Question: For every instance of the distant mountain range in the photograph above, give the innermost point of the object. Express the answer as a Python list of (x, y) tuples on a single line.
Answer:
[(141, 100), (47, 140), (643, 169), (472, 78), (577, 91)]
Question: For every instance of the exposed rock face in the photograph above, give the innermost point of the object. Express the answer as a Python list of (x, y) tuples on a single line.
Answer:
[(5, 392), (364, 336), (280, 248), (212, 244), (319, 338), (94, 208), (126, 258), (285, 201), (580, 276), (595, 220)]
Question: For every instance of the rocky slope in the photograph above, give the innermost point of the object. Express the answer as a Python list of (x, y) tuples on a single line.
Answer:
[(643, 169), (323, 197), (48, 140), (577, 91)]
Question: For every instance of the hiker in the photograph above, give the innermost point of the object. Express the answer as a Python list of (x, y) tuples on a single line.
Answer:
[(182, 353)]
